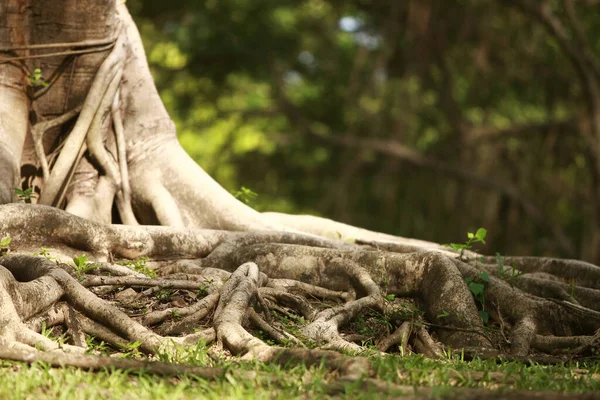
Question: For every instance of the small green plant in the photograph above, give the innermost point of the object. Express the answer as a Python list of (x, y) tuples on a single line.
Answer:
[(49, 333), (246, 195), (139, 265), (4, 245), (93, 346), (477, 287), (390, 297), (174, 353), (472, 238), (203, 291), (45, 331), (443, 314), (82, 265), (45, 252), (131, 349), (36, 79), (506, 274), (25, 195), (478, 284)]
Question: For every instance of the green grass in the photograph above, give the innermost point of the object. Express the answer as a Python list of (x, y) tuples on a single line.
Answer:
[(489, 374), (249, 380)]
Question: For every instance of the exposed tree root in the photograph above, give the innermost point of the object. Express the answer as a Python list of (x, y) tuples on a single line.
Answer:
[(246, 289)]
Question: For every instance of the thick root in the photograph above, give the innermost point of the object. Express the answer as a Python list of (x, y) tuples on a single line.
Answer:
[(270, 296)]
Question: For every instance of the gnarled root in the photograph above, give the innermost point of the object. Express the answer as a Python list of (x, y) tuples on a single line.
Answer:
[(244, 289)]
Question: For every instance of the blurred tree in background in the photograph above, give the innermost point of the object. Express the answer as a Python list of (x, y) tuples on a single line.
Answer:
[(419, 118)]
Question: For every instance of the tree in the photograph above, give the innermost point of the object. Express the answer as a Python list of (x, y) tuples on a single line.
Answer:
[(77, 99)]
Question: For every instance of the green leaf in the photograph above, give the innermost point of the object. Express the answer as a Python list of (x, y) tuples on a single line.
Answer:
[(476, 288), (80, 261), (471, 235), (458, 246), (481, 234), (5, 241), (484, 316), (390, 297), (468, 280), (484, 276)]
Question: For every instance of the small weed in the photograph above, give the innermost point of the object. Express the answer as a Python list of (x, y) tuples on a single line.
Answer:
[(477, 287), (203, 291), (472, 238), (45, 331), (45, 252), (94, 346), (82, 265), (246, 195), (131, 350), (139, 265), (49, 333), (478, 284), (25, 195), (262, 335), (36, 78), (4, 245), (506, 274), (194, 355)]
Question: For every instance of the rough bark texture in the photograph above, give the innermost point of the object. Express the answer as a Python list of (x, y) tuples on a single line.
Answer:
[(95, 137)]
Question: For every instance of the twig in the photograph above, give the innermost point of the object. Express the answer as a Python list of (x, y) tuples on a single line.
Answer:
[(60, 53), (83, 43), (142, 282)]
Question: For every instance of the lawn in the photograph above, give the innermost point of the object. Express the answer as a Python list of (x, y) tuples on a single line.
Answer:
[(410, 376)]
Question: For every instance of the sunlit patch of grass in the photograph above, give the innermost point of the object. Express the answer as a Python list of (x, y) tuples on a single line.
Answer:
[(256, 380), (489, 374)]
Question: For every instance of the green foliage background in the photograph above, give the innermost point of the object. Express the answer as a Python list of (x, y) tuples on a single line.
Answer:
[(302, 102)]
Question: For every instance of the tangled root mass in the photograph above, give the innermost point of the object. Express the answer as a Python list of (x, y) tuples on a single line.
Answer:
[(273, 296)]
